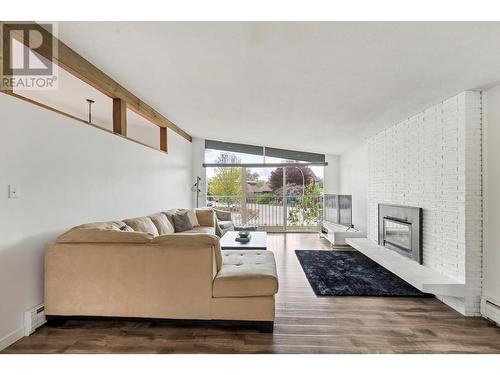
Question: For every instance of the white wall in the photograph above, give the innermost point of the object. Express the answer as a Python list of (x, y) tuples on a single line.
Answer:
[(354, 181), (331, 175), (433, 160), (70, 173), (491, 251), (143, 130)]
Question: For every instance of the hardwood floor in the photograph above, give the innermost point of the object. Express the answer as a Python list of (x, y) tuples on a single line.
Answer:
[(305, 323)]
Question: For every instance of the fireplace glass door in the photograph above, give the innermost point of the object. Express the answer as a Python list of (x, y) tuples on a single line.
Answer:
[(397, 234)]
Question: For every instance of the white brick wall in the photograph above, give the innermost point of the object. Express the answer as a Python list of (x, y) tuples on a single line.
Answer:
[(473, 202), (433, 160)]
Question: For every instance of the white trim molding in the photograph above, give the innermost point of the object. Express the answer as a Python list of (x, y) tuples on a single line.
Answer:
[(11, 338)]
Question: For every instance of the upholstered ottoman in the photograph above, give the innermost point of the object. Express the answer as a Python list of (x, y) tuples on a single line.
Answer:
[(245, 287)]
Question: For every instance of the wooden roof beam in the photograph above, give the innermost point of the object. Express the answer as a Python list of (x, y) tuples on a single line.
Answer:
[(77, 65)]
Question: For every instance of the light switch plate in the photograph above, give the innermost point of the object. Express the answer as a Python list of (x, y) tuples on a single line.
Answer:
[(14, 191)]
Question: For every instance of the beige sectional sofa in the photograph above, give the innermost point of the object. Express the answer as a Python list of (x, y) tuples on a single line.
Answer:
[(141, 268)]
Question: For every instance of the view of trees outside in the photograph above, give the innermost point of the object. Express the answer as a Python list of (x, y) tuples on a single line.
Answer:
[(295, 176), (264, 191), (307, 208), (226, 180)]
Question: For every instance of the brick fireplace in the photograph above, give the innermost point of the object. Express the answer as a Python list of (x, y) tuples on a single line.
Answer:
[(433, 160)]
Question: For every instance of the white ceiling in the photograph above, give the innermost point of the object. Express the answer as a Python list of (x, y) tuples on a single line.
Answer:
[(321, 87)]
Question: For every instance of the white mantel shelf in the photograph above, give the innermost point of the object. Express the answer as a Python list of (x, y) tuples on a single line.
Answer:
[(423, 278)]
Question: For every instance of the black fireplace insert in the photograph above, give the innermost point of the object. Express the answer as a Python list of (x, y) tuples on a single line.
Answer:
[(400, 230)]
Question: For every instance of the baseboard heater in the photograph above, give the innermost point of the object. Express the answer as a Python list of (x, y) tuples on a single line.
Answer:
[(33, 319), (490, 310)]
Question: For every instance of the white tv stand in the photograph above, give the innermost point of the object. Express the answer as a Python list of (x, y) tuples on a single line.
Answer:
[(337, 234)]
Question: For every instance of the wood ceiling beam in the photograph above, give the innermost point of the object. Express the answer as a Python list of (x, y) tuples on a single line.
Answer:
[(120, 117), (163, 139), (77, 65)]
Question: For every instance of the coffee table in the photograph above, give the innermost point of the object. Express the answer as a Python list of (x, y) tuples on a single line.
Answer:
[(258, 241)]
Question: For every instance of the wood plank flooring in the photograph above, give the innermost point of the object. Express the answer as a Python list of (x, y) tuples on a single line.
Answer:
[(305, 323)]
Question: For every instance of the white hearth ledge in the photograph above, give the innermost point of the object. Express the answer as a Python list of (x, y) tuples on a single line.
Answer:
[(421, 277)]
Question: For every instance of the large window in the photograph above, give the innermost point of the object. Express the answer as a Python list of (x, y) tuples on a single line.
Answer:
[(271, 197)]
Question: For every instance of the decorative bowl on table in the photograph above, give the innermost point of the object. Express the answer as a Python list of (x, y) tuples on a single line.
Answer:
[(243, 234)]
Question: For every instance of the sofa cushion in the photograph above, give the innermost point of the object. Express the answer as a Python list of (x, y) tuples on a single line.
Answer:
[(187, 239), (246, 273), (205, 217), (193, 218), (109, 225), (169, 214), (206, 230), (226, 224), (182, 222), (97, 235), (162, 224), (192, 239), (142, 224)]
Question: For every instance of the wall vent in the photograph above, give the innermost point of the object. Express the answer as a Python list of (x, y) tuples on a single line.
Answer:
[(33, 319), (490, 310)]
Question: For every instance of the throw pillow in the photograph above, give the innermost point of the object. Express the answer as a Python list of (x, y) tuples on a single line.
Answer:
[(182, 222), (192, 217)]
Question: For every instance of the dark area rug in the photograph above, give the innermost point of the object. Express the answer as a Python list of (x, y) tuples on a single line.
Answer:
[(350, 273)]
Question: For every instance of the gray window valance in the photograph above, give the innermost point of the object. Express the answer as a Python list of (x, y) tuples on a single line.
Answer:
[(267, 151)]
